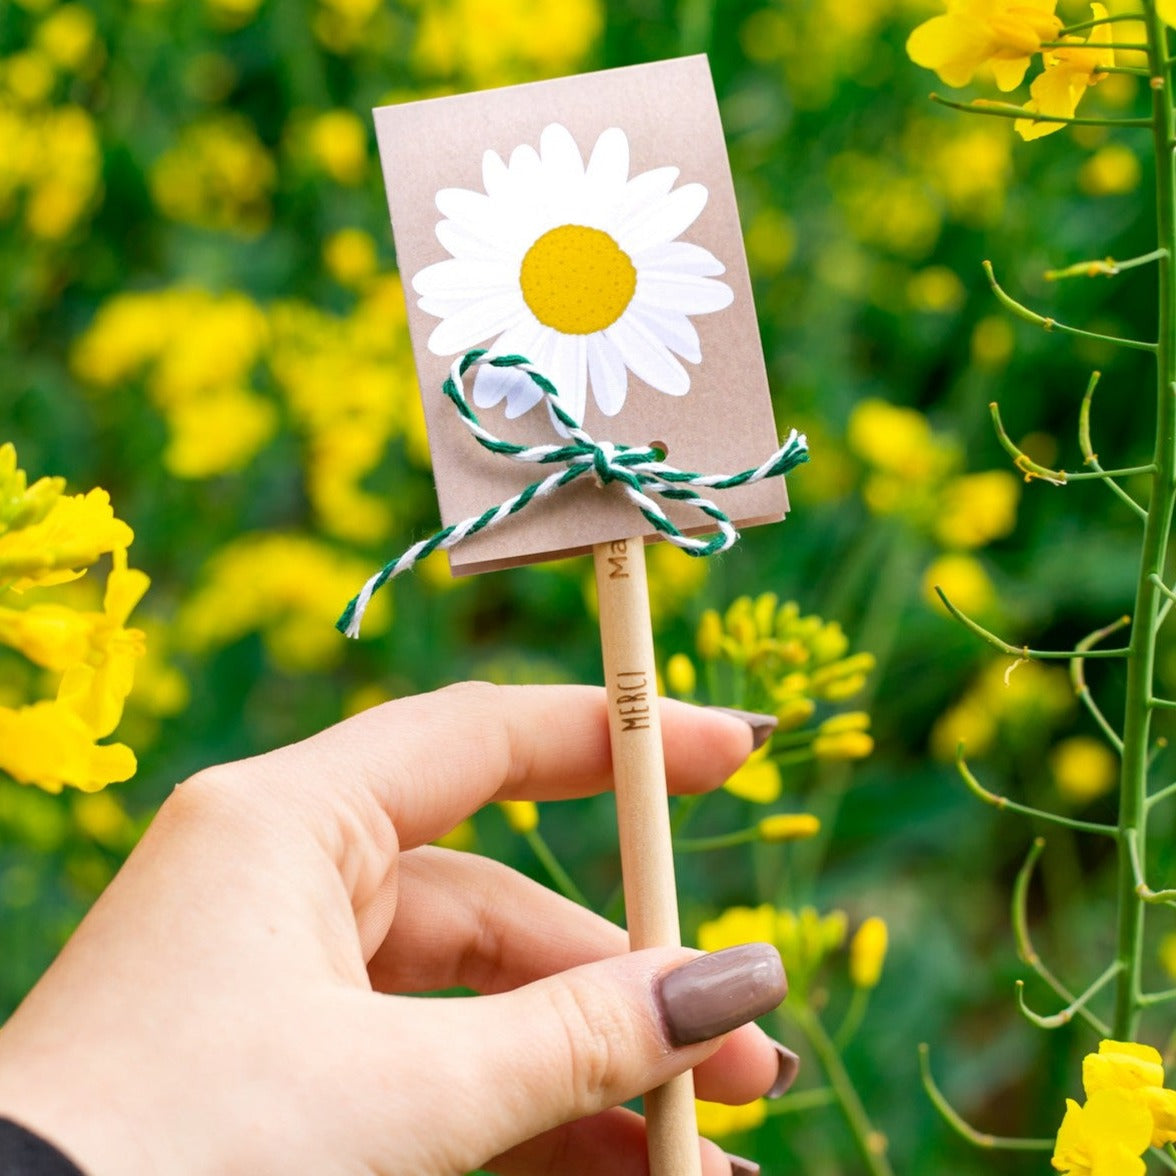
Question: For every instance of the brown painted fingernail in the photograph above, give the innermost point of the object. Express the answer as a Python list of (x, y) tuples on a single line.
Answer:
[(761, 725), (788, 1066), (716, 993), (742, 1167)]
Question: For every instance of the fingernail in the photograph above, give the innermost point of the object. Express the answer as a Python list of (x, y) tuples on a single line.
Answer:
[(761, 725), (742, 1167), (716, 993), (787, 1067)]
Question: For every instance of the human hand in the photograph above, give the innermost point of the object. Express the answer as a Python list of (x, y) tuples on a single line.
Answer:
[(225, 1007)]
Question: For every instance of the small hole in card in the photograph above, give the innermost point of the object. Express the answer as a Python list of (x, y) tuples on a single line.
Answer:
[(660, 448)]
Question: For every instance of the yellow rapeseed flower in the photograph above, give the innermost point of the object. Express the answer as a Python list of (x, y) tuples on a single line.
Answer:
[(97, 686), (845, 745), (1167, 11), (49, 745), (718, 1119), (1106, 1137), (681, 676), (66, 36), (1001, 34), (516, 39), (338, 144), (350, 256), (1084, 768), (1069, 71), (964, 581), (867, 952), (738, 925), (1113, 170), (788, 827), (1136, 1070), (217, 433), (757, 779), (978, 508), (289, 587), (521, 815), (218, 175), (73, 534)]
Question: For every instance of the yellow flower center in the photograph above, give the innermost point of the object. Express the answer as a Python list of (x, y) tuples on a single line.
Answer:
[(577, 280)]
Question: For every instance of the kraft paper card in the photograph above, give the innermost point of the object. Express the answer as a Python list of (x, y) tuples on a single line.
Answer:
[(589, 224)]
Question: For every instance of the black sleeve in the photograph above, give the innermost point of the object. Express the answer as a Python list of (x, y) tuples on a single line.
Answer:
[(24, 1154)]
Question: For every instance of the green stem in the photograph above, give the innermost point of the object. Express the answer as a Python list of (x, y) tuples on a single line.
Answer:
[(1106, 267), (1091, 458), (560, 876), (1051, 324), (718, 841), (965, 1129), (1008, 110), (871, 1143), (1141, 660)]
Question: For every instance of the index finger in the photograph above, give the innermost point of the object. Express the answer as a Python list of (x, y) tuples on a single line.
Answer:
[(431, 760)]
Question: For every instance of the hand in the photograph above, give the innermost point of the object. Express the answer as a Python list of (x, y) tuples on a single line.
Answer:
[(224, 1007)]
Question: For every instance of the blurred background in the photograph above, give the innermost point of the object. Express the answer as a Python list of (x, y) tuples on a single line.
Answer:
[(200, 312)]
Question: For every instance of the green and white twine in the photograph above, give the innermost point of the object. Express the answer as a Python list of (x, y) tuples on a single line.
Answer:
[(639, 470)]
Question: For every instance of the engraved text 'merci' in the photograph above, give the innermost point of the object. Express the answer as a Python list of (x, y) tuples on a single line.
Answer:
[(632, 700)]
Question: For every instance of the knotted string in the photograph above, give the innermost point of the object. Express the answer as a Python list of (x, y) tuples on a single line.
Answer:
[(639, 470)]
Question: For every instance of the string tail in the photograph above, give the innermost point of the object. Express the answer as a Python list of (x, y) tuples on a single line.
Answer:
[(638, 470)]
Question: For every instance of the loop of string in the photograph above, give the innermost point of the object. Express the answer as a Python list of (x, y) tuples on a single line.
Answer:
[(640, 471)]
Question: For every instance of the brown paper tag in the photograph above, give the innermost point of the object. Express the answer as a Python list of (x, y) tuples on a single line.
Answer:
[(588, 223)]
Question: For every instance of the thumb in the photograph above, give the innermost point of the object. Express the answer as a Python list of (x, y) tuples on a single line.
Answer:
[(576, 1043)]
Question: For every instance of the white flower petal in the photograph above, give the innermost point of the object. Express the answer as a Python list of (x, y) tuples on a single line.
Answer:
[(607, 372), (608, 168), (684, 293), (466, 245), (642, 191), (674, 329), (462, 278), (472, 210), (493, 385), (647, 357), (478, 321), (678, 257), (523, 393), (570, 375), (495, 174), (560, 155), (664, 220)]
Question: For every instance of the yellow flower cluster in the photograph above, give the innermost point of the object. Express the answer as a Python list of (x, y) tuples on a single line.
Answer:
[(1004, 36), (912, 472), (48, 538), (789, 664), (1007, 701), (497, 42), (198, 351), (288, 587), (804, 938), (349, 387), (218, 175), (50, 168), (346, 382), (1127, 1110)]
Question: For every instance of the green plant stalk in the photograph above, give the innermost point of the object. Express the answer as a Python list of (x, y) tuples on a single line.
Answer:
[(870, 1143), (1144, 631)]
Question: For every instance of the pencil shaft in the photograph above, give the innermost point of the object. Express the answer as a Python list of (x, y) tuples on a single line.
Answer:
[(643, 823)]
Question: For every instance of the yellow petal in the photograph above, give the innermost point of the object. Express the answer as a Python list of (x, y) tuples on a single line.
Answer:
[(953, 45), (1125, 1065), (1167, 11)]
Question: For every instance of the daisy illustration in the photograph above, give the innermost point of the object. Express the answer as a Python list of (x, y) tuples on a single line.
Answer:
[(577, 267)]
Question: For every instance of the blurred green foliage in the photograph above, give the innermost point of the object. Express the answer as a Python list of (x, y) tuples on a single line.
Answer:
[(199, 312)]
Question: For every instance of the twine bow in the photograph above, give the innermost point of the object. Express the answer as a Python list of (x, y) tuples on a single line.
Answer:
[(640, 471)]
